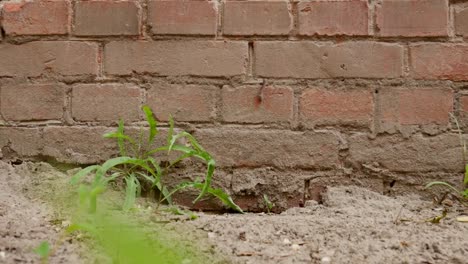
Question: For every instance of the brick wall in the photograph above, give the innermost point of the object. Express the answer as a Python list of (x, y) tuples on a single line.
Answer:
[(288, 95)]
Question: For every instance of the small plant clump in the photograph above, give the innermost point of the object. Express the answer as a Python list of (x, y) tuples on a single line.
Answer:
[(461, 195), (136, 164)]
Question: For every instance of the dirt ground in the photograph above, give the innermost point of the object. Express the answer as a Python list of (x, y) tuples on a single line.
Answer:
[(353, 225)]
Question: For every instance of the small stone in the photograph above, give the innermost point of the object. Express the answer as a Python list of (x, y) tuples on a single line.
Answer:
[(325, 260), (295, 246), (286, 241), (211, 235), (2, 255)]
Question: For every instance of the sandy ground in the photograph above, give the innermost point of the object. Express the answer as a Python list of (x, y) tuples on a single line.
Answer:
[(353, 225)]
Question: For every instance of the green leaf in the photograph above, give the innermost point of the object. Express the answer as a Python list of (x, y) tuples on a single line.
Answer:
[(191, 139), (109, 164), (209, 175), (465, 180), (151, 122), (131, 191), (218, 193), (170, 134), (82, 173), (120, 141), (43, 250), (431, 184)]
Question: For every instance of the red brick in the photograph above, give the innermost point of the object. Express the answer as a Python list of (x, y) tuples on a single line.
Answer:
[(416, 154), (106, 102), (182, 17), (20, 142), (27, 102), (333, 18), (36, 18), (308, 59), (107, 18), (79, 145), (60, 57), (278, 148), (416, 106), (254, 104), (412, 18), (199, 58), (464, 103), (256, 18), (439, 61), (183, 102), (461, 22), (319, 106)]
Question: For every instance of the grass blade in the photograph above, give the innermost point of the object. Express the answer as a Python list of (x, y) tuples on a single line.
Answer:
[(152, 124), (207, 183), (170, 134), (429, 185), (131, 192), (82, 173)]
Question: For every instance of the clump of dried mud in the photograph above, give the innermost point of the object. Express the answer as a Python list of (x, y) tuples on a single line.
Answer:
[(354, 225)]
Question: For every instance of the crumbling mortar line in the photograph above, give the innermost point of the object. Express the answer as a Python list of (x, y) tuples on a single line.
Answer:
[(335, 39), (219, 19)]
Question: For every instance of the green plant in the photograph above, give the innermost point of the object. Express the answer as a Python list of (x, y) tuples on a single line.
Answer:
[(462, 195), (269, 205), (137, 164), (43, 250)]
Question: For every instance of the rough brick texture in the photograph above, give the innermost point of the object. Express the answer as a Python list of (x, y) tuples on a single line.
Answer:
[(415, 106), (106, 102), (333, 18), (256, 18), (461, 22), (80, 145), (58, 57), (20, 142), (202, 58), (319, 106), (412, 18), (282, 149), (312, 60), (183, 102), (32, 102), (182, 17), (107, 18), (440, 153), (257, 104), (439, 61), (36, 18)]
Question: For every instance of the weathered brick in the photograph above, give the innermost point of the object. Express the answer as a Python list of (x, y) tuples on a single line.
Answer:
[(200, 58), (254, 104), (283, 149), (307, 59), (464, 103), (107, 18), (28, 102), (416, 154), (184, 102), (80, 145), (20, 142), (182, 17), (415, 106), (439, 61), (256, 18), (319, 106), (412, 18), (106, 102), (60, 57), (36, 18), (333, 18), (461, 22)]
